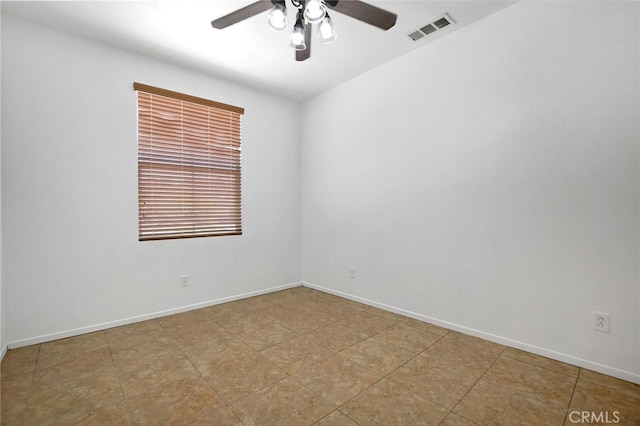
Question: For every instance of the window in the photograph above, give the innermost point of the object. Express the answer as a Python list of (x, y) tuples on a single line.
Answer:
[(188, 166)]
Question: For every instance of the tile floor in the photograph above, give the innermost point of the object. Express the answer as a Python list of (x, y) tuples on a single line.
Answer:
[(299, 357)]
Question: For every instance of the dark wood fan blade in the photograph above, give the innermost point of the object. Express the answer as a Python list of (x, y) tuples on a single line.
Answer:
[(364, 12), (303, 55), (242, 14)]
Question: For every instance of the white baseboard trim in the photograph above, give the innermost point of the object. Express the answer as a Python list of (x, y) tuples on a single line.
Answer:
[(139, 318), (558, 356), (3, 352)]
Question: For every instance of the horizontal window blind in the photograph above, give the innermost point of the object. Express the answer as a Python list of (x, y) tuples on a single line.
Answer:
[(189, 152)]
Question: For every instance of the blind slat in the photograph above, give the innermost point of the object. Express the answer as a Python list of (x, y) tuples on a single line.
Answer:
[(189, 154)]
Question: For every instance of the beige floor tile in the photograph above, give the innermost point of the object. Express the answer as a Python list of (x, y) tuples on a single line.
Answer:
[(297, 353), (116, 415), (134, 347), (629, 388), (16, 377), (242, 376), (189, 319), (187, 336), (293, 294), (73, 348), (283, 403), (17, 372), (335, 379), (484, 348), (57, 374), (67, 409), (65, 393), (337, 336), (392, 317), (18, 359), (540, 361), (255, 304), (386, 403), (342, 310), (605, 402), (224, 312), (366, 323), (546, 385), (227, 314), (121, 338), (283, 296), (377, 355), (299, 321), (254, 325), (260, 333), (310, 304), (336, 418), (490, 404), (425, 326), (98, 357), (150, 371), (221, 416), (459, 349), (136, 328), (213, 355), (455, 420), (176, 403), (324, 296), (440, 383), (408, 338), (350, 304), (111, 415), (13, 403)]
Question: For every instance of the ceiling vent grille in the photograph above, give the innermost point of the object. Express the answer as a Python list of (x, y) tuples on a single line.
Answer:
[(431, 27)]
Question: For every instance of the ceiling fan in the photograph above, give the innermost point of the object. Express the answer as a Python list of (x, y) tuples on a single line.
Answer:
[(309, 12)]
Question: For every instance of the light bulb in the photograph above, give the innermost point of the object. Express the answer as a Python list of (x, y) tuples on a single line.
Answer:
[(297, 36), (278, 17), (314, 11), (326, 33)]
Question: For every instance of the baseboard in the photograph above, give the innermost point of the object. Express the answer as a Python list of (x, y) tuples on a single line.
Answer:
[(3, 352), (139, 318), (558, 356)]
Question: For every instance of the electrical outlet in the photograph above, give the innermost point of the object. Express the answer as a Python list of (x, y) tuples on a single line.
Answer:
[(184, 280), (601, 321), (352, 272)]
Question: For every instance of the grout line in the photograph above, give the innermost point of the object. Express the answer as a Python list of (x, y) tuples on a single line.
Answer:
[(542, 366), (38, 355), (209, 385), (30, 391), (573, 391), (478, 380)]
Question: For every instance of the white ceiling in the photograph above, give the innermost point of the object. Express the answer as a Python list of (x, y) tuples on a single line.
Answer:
[(249, 52)]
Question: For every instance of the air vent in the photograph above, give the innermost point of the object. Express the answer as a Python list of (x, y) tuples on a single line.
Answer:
[(416, 35), (442, 22), (432, 27)]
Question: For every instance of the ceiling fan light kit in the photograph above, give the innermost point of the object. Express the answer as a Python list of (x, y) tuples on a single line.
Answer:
[(326, 32), (297, 35), (309, 12), (278, 16), (314, 10)]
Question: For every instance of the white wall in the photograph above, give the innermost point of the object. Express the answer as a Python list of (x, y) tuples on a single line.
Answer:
[(3, 345), (489, 182), (69, 186)]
